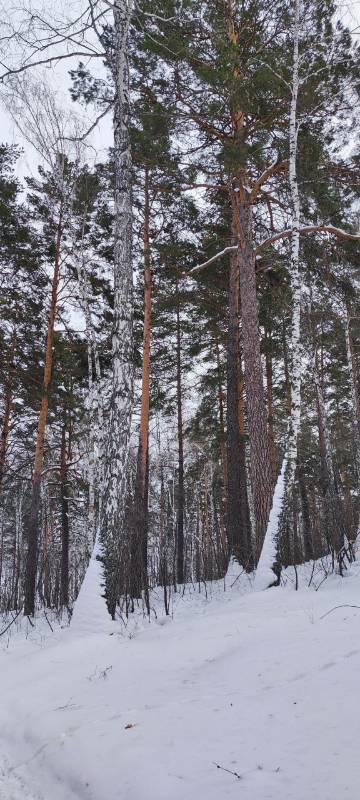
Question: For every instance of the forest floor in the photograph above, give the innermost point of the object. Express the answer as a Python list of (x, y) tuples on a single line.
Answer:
[(236, 695)]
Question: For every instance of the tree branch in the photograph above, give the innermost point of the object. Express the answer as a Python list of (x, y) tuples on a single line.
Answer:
[(200, 267), (308, 229), (277, 166)]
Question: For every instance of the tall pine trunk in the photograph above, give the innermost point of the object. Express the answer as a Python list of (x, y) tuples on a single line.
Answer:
[(180, 484), (33, 518), (238, 518), (353, 374), (140, 505), (332, 501), (269, 567), (261, 474), (223, 446), (242, 225), (64, 577)]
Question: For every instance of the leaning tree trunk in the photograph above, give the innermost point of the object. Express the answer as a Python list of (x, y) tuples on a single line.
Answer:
[(115, 488), (238, 517), (139, 533), (33, 519)]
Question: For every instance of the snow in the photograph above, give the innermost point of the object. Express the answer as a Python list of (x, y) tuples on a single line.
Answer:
[(262, 684), (265, 575), (90, 612)]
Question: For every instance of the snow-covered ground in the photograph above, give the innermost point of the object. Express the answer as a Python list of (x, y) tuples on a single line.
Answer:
[(242, 695)]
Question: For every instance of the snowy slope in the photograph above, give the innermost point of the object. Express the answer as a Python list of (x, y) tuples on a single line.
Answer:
[(257, 683)]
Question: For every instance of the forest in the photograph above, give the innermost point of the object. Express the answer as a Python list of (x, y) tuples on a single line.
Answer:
[(179, 313)]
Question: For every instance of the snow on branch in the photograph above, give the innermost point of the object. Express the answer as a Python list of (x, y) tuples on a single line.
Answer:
[(341, 234), (202, 266), (287, 234)]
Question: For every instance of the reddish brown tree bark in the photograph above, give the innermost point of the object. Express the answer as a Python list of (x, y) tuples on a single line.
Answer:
[(180, 486), (238, 517), (33, 519), (140, 516)]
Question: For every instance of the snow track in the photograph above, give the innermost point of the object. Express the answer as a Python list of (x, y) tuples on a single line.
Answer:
[(254, 684), (12, 785)]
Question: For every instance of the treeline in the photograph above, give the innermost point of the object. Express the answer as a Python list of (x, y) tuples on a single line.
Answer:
[(179, 323)]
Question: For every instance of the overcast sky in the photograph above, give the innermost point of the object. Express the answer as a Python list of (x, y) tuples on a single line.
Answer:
[(349, 13)]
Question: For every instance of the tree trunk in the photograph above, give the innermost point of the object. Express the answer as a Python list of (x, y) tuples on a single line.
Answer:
[(140, 504), (180, 486), (284, 484), (33, 520), (353, 374), (117, 451), (238, 518), (223, 448), (334, 516), (270, 405), (261, 475), (305, 515), (286, 369), (242, 211), (5, 428), (8, 398), (64, 578)]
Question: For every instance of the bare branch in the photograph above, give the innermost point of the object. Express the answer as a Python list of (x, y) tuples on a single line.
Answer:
[(52, 59)]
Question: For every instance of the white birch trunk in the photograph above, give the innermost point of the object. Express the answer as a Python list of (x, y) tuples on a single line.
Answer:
[(269, 553), (117, 449), (94, 401)]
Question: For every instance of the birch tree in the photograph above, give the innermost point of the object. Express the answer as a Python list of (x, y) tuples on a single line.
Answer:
[(114, 504)]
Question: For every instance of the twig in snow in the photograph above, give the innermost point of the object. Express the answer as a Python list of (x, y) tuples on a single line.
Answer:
[(48, 621), (312, 574), (230, 771), (346, 605), (10, 623)]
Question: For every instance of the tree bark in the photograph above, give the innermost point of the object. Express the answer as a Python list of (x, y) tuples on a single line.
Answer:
[(140, 505), (261, 474), (180, 484), (223, 447), (115, 483), (64, 578), (270, 403), (238, 518), (33, 519), (305, 515), (8, 398), (334, 516), (355, 397), (284, 484)]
